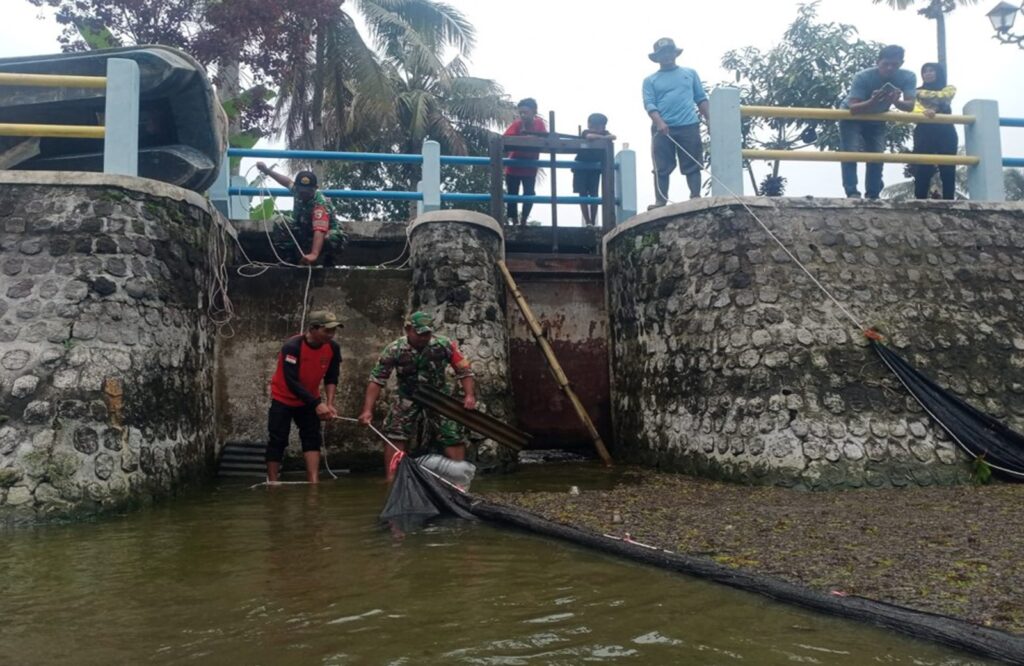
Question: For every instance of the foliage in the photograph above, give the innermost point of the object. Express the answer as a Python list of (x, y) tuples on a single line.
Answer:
[(981, 471), (1013, 184), (812, 66), (772, 186), (935, 10)]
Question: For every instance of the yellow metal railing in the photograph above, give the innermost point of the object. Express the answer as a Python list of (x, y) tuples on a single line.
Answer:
[(53, 81), (841, 156), (806, 113)]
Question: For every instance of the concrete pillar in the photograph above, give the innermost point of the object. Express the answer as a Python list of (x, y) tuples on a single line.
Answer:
[(982, 139), (121, 134), (625, 185), (454, 254), (726, 143), (430, 185)]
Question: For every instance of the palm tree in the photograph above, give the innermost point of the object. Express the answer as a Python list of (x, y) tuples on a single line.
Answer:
[(935, 10), (336, 91)]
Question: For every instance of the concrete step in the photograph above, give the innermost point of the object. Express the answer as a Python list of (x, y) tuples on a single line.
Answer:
[(243, 473)]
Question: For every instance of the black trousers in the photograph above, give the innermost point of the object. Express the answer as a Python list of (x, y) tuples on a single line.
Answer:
[(935, 140), (512, 184), (279, 426)]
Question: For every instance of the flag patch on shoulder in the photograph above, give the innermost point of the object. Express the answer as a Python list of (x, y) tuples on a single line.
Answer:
[(291, 359)]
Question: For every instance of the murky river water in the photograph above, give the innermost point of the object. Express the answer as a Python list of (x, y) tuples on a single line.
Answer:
[(304, 575)]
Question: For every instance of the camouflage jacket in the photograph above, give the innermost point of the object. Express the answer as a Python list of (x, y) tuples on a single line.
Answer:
[(414, 367), (313, 215)]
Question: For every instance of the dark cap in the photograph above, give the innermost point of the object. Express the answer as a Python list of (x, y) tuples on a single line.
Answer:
[(662, 47), (324, 318), (305, 180)]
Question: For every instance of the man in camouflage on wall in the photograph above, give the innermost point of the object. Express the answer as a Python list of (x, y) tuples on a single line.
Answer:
[(311, 224), (419, 358)]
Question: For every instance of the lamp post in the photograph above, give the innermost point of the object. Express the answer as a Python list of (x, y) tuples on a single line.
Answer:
[(1002, 17)]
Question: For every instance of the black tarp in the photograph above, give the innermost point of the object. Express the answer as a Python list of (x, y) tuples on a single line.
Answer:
[(980, 434), (417, 496)]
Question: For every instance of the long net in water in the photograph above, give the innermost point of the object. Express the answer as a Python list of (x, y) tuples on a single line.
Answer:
[(417, 496)]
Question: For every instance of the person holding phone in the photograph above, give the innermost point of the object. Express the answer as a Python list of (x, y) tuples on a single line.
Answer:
[(874, 90)]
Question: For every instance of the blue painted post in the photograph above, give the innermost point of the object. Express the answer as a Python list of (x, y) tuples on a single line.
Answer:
[(121, 120), (982, 140), (726, 143), (430, 185), (625, 185)]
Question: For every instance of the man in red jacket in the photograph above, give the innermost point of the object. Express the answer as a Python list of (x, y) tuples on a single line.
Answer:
[(516, 176), (304, 361)]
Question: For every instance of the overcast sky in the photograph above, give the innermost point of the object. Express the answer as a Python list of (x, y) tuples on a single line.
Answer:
[(580, 56)]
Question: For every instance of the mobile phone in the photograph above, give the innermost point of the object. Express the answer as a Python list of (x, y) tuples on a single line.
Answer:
[(889, 88)]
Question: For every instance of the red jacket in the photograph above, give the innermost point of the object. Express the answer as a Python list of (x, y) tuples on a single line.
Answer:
[(515, 129), (301, 368)]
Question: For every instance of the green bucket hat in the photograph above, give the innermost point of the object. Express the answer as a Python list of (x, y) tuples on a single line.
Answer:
[(421, 322)]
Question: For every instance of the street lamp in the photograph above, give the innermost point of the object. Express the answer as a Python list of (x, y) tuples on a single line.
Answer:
[(1002, 17)]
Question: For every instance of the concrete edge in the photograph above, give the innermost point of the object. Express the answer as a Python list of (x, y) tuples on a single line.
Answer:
[(462, 217), (91, 179), (707, 203)]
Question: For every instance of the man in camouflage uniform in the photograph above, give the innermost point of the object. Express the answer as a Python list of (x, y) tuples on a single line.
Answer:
[(311, 221), (419, 358)]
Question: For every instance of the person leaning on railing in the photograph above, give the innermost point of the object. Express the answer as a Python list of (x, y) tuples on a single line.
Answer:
[(873, 90), (934, 96)]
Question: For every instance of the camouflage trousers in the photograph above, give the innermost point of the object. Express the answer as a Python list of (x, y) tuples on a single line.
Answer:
[(334, 243), (423, 430)]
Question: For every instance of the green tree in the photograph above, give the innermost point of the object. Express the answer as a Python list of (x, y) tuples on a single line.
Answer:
[(336, 92), (935, 10), (1013, 184), (455, 109), (812, 66)]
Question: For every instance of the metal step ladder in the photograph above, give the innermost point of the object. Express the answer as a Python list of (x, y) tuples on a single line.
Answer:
[(243, 459)]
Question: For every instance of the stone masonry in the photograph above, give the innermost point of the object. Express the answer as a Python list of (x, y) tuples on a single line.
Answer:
[(728, 362), (106, 352), (455, 277)]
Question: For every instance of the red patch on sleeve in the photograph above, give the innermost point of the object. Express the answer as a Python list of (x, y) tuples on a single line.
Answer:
[(321, 220)]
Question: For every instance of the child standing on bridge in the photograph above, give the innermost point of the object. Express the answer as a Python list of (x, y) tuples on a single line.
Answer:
[(587, 183)]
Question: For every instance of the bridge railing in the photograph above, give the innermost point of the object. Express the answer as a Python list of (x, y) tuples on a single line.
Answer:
[(120, 131), (227, 191), (981, 130), (1012, 122)]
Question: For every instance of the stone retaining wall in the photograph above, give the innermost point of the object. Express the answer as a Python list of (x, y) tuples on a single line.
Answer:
[(106, 352), (728, 362), (455, 277)]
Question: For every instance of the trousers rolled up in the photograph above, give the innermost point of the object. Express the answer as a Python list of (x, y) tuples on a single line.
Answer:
[(688, 154)]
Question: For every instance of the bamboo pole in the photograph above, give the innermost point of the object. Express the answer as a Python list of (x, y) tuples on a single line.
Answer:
[(556, 368), (52, 80), (65, 131)]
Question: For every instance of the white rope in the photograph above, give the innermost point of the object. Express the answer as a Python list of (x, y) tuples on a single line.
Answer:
[(817, 283), (393, 446)]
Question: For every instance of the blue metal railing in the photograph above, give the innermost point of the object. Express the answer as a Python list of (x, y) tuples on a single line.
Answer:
[(406, 158), (403, 158), (1012, 122)]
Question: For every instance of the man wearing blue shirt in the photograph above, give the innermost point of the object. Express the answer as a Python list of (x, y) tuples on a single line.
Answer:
[(874, 91), (672, 97)]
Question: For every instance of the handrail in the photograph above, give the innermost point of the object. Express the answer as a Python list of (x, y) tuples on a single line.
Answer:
[(1011, 122), (62, 131), (52, 80), (398, 195), (405, 158), (840, 156), (806, 113)]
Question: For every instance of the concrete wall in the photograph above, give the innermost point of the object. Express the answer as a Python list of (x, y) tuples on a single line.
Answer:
[(106, 351), (569, 302), (454, 257), (728, 362), (371, 303)]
